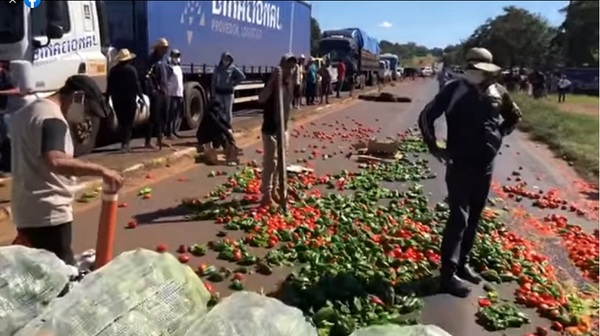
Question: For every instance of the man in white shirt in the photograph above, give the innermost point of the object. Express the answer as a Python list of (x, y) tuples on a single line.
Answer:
[(563, 86), (175, 114)]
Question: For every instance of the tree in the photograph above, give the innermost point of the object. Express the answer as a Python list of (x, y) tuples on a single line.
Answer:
[(516, 38), (407, 51), (315, 36), (578, 35)]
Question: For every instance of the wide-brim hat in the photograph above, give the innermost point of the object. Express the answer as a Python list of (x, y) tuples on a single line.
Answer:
[(161, 43), (124, 55), (175, 52), (482, 59)]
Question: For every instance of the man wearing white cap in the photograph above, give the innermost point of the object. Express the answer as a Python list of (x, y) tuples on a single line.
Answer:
[(479, 114)]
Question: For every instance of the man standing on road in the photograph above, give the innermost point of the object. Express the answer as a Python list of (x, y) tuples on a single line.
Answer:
[(563, 85), (268, 97), (299, 82), (226, 77), (479, 113), (124, 89), (158, 87), (44, 168), (175, 114), (341, 73)]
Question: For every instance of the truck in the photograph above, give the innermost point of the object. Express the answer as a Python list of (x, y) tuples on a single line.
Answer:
[(45, 45), (585, 80), (394, 61), (353, 45)]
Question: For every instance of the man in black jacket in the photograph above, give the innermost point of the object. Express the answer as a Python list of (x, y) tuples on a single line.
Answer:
[(479, 113), (158, 87)]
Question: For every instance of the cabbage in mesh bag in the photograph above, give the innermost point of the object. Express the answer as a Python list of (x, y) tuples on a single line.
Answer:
[(139, 293), (252, 314), (395, 330), (31, 278)]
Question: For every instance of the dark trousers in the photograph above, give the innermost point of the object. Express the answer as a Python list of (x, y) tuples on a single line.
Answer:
[(468, 189), (174, 116), (5, 152), (159, 107), (338, 89), (562, 95), (125, 110), (311, 92), (55, 239)]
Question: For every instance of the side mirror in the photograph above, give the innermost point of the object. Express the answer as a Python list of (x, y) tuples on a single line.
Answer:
[(54, 31)]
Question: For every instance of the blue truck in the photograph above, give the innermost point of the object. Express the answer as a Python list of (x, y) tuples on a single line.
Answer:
[(584, 80), (43, 46), (256, 33), (353, 45)]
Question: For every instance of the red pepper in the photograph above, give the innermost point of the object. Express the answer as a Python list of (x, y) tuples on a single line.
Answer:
[(484, 302), (374, 299)]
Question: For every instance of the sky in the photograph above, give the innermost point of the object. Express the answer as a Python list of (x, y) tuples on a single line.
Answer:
[(428, 23)]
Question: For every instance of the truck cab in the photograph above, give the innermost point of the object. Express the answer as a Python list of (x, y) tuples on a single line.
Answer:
[(45, 45)]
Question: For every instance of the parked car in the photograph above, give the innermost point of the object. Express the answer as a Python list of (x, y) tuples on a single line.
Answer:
[(385, 74), (426, 72)]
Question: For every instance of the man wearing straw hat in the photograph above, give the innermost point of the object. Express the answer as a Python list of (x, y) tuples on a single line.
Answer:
[(479, 114), (124, 90), (158, 88)]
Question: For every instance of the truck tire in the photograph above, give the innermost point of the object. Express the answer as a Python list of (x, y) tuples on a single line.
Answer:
[(193, 105), (84, 134)]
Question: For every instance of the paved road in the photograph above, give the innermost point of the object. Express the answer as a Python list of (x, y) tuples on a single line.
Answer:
[(162, 220)]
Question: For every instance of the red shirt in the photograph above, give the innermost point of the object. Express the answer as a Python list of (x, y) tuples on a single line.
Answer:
[(341, 70)]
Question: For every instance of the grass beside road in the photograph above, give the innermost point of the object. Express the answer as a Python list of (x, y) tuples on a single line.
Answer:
[(571, 136), (577, 103)]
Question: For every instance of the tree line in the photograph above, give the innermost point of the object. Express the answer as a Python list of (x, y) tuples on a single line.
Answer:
[(521, 38), (405, 51)]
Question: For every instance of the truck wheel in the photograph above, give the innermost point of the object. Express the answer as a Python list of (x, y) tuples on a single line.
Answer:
[(193, 105), (84, 134)]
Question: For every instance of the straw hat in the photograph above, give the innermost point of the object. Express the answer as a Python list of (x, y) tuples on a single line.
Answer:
[(161, 43), (482, 59), (124, 55)]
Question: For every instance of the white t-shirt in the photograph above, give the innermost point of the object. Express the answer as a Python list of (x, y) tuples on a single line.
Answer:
[(564, 83), (176, 81)]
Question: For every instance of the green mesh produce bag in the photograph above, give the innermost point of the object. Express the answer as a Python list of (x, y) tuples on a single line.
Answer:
[(252, 314), (140, 293), (30, 279), (395, 330)]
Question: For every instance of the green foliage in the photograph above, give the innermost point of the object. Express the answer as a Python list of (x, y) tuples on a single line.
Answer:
[(520, 38), (408, 51), (572, 136), (315, 36)]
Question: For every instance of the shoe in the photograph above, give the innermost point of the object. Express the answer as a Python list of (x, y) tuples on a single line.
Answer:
[(149, 146), (467, 274), (455, 287), (211, 157)]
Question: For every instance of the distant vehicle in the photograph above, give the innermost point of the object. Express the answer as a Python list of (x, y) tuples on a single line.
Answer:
[(355, 46), (58, 39), (394, 64), (411, 72), (426, 72), (385, 74), (583, 79)]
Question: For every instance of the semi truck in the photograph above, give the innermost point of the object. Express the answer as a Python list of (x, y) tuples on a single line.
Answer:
[(394, 61), (353, 45), (45, 45)]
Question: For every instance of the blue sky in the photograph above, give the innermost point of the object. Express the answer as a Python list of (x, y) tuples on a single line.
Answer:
[(429, 23)]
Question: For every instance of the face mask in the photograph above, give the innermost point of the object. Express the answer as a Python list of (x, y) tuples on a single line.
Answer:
[(76, 110), (474, 77)]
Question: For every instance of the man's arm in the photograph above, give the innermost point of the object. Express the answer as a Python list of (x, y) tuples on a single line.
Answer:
[(432, 112), (135, 79), (510, 113), (238, 76), (53, 148)]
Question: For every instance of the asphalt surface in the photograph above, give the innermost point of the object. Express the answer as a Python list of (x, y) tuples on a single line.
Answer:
[(162, 220)]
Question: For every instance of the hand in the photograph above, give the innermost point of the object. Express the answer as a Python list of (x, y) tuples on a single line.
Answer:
[(113, 179), (441, 155)]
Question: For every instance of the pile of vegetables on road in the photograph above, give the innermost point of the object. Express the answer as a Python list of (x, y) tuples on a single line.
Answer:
[(364, 257)]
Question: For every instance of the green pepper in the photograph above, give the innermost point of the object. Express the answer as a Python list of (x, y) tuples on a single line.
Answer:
[(198, 250), (237, 285)]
